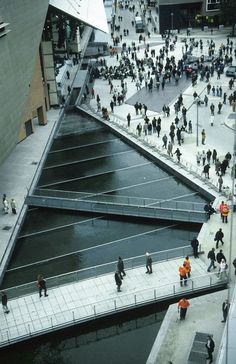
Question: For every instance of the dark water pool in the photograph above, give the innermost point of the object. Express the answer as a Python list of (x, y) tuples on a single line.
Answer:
[(120, 340)]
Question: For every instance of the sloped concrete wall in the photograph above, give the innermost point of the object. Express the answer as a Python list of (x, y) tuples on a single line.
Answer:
[(18, 52)]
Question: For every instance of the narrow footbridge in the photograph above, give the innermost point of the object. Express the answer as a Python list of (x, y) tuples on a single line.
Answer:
[(70, 303), (172, 209)]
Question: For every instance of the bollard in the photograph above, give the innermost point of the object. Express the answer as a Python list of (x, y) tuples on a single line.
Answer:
[(115, 305), (73, 314), (94, 309), (135, 299)]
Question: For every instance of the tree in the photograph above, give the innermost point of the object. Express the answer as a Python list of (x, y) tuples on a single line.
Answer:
[(228, 13)]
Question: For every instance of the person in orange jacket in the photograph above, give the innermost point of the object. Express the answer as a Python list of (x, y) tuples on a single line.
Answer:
[(183, 275), (221, 209), (183, 305), (225, 213), (187, 265)]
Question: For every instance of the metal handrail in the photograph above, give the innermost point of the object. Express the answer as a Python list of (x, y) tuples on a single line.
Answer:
[(124, 200), (105, 307), (95, 271)]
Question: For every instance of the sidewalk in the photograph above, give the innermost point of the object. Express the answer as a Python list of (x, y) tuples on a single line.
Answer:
[(17, 172)]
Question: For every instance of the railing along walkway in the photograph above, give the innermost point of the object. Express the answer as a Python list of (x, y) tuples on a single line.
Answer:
[(168, 209), (89, 299)]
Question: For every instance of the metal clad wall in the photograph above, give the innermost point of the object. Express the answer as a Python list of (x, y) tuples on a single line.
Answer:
[(18, 51)]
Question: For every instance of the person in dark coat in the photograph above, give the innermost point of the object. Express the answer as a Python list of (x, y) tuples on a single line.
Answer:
[(195, 245), (219, 237), (210, 345), (206, 169), (148, 263), (42, 286), (128, 119), (4, 302), (225, 309), (178, 154), (211, 255), (220, 256), (118, 281), (120, 267)]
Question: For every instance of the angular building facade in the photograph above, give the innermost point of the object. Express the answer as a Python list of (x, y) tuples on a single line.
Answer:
[(19, 49)]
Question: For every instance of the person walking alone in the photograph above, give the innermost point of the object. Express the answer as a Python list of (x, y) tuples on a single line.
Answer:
[(225, 309), (120, 268), (195, 245), (128, 119), (42, 286), (210, 345), (219, 237), (183, 305), (4, 302), (148, 263)]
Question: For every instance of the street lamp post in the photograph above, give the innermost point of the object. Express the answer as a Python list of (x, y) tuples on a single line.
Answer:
[(172, 22)]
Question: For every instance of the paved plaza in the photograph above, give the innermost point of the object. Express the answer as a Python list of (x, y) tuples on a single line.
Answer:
[(18, 171)]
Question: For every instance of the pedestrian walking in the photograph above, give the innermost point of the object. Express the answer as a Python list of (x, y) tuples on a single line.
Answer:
[(120, 267), (223, 269), (220, 183), (5, 204), (118, 281), (225, 309), (210, 345), (187, 266), (219, 237), (221, 209), (195, 245), (69, 89), (178, 154), (206, 170), (4, 302), (214, 155), (128, 119), (212, 257), (183, 275), (203, 133), (13, 206), (41, 283), (183, 305), (164, 139), (220, 256), (170, 149), (190, 127), (68, 75), (225, 213), (148, 263)]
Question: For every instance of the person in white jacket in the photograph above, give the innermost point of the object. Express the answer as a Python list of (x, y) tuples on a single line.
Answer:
[(223, 269)]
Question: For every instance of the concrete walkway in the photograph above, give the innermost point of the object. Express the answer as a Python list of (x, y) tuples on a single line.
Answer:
[(90, 298), (17, 172)]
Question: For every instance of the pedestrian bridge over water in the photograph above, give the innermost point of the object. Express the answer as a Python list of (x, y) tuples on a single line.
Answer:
[(87, 299), (168, 209)]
